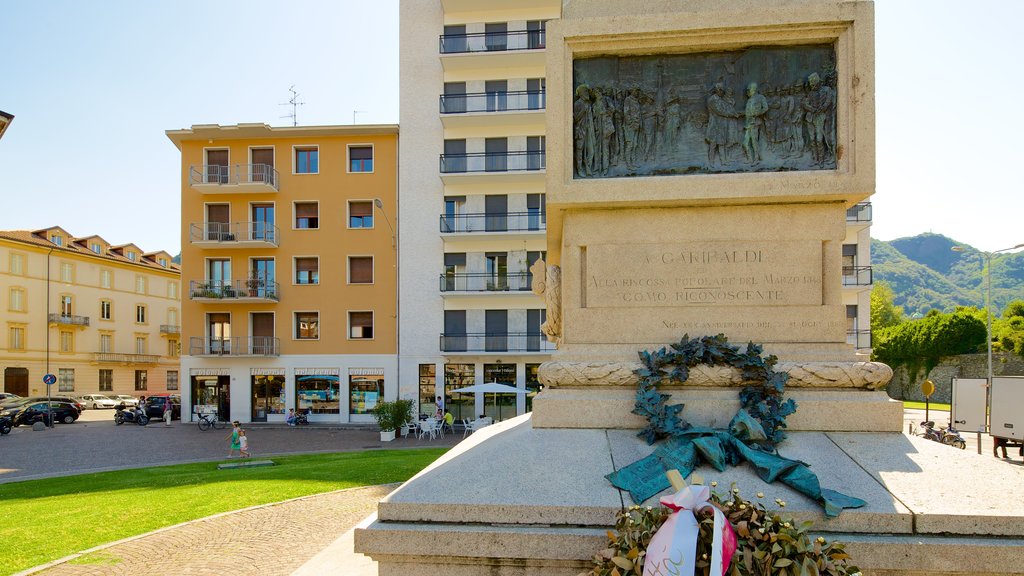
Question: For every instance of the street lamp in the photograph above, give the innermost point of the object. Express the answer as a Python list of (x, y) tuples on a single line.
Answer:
[(988, 311)]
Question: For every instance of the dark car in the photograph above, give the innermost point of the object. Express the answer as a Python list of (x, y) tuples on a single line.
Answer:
[(32, 399), (6, 423), (5, 396), (36, 412), (154, 406)]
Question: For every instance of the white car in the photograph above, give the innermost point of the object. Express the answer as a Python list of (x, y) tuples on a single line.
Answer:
[(129, 401), (97, 401)]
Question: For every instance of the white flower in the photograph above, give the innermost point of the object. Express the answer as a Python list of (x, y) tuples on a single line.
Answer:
[(760, 494)]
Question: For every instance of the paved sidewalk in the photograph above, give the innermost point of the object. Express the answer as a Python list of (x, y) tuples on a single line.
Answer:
[(270, 540)]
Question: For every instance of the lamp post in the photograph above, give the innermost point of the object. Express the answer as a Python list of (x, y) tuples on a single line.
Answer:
[(988, 314)]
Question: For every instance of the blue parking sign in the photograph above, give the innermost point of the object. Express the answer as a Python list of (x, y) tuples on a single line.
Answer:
[(49, 379)]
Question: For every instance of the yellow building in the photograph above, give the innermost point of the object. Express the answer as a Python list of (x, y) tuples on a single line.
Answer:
[(289, 270), (101, 318)]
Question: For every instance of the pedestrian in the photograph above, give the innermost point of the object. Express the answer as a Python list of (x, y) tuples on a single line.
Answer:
[(168, 411), (236, 429), (291, 417), (243, 444)]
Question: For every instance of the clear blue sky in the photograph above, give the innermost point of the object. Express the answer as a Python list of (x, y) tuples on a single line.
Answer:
[(93, 86)]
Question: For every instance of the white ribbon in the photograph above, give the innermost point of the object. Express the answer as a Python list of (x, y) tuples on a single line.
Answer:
[(673, 549)]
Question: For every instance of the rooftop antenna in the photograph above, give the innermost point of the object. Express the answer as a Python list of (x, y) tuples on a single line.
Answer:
[(354, 112), (294, 103)]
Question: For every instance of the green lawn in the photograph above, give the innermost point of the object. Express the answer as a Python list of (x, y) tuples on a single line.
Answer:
[(931, 406), (51, 518)]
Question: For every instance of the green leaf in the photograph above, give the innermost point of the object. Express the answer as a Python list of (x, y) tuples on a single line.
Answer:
[(623, 562), (782, 563)]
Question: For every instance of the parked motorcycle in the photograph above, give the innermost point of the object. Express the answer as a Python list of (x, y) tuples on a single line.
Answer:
[(5, 425), (132, 416), (949, 436)]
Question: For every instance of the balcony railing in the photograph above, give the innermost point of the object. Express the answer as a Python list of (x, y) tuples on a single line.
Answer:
[(253, 288), (496, 342), (234, 174), (483, 282), (68, 319), (859, 213), (857, 276), (500, 222), (230, 232), (492, 42), (118, 358), (861, 339), (493, 102), (235, 346), (492, 161), (170, 329)]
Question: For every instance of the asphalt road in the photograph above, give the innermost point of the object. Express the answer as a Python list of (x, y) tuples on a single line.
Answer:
[(94, 444)]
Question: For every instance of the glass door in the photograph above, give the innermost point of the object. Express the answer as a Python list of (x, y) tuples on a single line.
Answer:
[(263, 222), (262, 278), (218, 276), (219, 333), (267, 397)]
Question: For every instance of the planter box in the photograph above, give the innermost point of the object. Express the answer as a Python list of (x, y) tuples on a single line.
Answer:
[(387, 436)]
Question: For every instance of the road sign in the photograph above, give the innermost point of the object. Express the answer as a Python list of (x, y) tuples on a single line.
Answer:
[(49, 379)]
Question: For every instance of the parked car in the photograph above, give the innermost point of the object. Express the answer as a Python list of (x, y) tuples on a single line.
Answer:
[(96, 401), (36, 412), (129, 400), (5, 396), (155, 406), (31, 399), (6, 423)]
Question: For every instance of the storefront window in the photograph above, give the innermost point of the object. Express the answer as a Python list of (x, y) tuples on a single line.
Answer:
[(318, 394), (459, 376), (428, 388), (532, 384), (363, 393), (211, 394), (267, 397), (500, 406)]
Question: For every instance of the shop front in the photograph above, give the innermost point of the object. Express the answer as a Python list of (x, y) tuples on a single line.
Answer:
[(365, 389), (267, 389), (317, 393), (210, 392)]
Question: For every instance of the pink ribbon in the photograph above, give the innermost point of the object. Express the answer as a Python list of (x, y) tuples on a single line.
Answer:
[(673, 549)]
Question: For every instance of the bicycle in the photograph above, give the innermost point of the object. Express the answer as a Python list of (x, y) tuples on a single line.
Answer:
[(211, 420)]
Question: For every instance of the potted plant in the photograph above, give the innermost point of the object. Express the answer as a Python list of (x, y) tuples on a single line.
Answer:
[(391, 416)]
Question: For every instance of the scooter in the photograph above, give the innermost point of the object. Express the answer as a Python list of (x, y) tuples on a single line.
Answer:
[(301, 419), (949, 436), (134, 415)]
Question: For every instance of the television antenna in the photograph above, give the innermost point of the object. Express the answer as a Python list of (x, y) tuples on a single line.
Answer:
[(294, 103)]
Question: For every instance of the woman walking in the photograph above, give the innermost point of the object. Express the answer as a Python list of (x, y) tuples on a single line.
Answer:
[(236, 445)]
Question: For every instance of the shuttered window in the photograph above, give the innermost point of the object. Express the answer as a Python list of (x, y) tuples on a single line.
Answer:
[(360, 270), (360, 159), (307, 215), (360, 215), (307, 270), (360, 325)]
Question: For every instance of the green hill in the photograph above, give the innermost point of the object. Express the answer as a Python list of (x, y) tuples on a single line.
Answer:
[(925, 274)]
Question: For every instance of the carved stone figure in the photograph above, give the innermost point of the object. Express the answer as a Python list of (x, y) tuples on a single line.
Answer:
[(583, 132), (632, 120), (757, 107), (604, 129), (547, 282), (818, 104), (720, 113)]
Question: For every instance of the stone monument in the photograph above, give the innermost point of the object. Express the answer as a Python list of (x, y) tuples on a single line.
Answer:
[(700, 160)]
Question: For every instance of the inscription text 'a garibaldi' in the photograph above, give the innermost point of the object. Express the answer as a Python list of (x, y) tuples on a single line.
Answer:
[(759, 109), (740, 273)]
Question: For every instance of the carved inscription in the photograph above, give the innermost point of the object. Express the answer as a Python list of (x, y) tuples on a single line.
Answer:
[(706, 274)]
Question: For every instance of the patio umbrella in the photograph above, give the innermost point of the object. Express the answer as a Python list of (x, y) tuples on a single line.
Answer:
[(491, 388)]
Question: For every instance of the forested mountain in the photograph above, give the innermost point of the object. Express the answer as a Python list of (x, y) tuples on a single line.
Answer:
[(925, 273)]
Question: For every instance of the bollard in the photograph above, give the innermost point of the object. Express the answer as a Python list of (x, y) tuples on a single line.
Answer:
[(979, 442)]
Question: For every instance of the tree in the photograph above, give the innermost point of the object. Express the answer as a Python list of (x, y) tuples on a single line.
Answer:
[(884, 313), (930, 338), (1008, 331)]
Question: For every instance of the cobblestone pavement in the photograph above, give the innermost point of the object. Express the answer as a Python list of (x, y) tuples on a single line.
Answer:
[(266, 541), (94, 444)]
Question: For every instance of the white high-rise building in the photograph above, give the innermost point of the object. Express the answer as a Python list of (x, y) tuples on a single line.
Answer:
[(472, 206)]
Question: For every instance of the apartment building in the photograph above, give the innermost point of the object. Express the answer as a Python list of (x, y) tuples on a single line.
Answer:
[(5, 121), (101, 318), (857, 277), (473, 207), (289, 268)]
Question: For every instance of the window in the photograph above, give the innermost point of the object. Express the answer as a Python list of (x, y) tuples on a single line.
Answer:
[(364, 391), (307, 270), (105, 279), (140, 284), (140, 314), (172, 291), (16, 338), (360, 214), (172, 348), (141, 380), (307, 325), (130, 255), (307, 215), (428, 387), (307, 160), (459, 376), (140, 345), (66, 380), (162, 262), (360, 270), (172, 379), (17, 264), (106, 380), (16, 301), (105, 343), (96, 248), (106, 309), (57, 239), (66, 305), (67, 272), (360, 159), (318, 394), (360, 325)]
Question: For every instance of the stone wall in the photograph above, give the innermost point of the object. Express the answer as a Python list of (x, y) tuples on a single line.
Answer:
[(902, 387)]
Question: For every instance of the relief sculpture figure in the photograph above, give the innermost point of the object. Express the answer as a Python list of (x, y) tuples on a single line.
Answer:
[(583, 132), (818, 104), (604, 129), (547, 282), (757, 106), (720, 115), (632, 121)]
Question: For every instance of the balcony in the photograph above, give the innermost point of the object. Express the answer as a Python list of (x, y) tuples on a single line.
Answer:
[(486, 283), (251, 290), (859, 216), (511, 49), (117, 358), (860, 339), (170, 330), (857, 276), (235, 346), (234, 234), (68, 320), (233, 178), (523, 109), (520, 342), (494, 223), (481, 167)]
